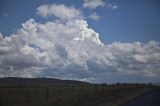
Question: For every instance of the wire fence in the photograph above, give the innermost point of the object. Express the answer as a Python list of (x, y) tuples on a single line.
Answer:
[(13, 96)]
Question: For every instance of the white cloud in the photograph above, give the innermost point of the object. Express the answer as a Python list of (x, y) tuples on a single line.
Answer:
[(59, 10), (5, 15), (112, 6), (115, 7), (72, 50), (46, 45), (94, 16), (92, 4)]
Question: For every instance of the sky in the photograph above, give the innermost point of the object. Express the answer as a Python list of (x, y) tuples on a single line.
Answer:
[(87, 40)]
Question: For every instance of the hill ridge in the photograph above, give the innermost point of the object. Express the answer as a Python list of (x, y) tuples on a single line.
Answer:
[(18, 81)]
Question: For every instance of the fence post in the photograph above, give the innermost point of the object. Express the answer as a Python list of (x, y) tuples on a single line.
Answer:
[(96, 87), (72, 89), (47, 93), (27, 96), (89, 89), (81, 88), (101, 88), (1, 100), (61, 91)]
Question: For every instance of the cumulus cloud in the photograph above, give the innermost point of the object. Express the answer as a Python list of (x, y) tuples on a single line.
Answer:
[(94, 16), (72, 50), (59, 10), (93, 4)]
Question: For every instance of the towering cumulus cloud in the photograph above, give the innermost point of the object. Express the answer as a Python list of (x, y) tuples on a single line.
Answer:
[(67, 48)]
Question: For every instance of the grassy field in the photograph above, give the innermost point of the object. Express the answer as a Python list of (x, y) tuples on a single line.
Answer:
[(88, 95)]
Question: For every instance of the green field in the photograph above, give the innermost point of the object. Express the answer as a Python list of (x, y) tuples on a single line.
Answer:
[(84, 95)]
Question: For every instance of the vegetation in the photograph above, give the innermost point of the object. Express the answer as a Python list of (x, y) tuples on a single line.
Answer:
[(79, 95)]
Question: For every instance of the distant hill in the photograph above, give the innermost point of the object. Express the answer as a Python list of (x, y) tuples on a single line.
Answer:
[(15, 81)]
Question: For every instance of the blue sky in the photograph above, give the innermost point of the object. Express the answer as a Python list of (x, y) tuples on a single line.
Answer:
[(136, 20), (87, 40)]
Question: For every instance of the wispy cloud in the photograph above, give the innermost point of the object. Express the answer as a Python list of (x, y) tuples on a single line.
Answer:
[(94, 16), (112, 6), (6, 15), (93, 4)]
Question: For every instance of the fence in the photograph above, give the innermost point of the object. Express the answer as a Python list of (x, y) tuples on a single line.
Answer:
[(27, 95)]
